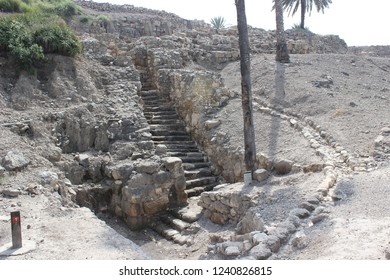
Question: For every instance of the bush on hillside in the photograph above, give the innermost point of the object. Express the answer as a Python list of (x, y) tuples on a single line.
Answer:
[(27, 37)]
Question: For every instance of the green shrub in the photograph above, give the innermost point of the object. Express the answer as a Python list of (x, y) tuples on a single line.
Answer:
[(57, 39), (10, 6), (17, 40), (27, 37)]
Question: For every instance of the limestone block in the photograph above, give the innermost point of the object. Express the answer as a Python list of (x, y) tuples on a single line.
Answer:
[(161, 149), (149, 167), (172, 163), (155, 206), (260, 175)]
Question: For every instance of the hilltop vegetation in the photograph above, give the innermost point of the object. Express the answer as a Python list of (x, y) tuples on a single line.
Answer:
[(35, 28)]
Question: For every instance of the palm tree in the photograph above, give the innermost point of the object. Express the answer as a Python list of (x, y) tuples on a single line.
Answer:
[(306, 6), (218, 23), (246, 87), (281, 46)]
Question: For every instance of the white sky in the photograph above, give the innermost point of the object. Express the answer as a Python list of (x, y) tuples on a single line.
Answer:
[(358, 22)]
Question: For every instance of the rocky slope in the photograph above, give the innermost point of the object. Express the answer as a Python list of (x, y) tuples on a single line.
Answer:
[(75, 134)]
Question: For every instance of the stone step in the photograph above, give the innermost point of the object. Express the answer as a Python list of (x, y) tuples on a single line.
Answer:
[(193, 159), (198, 190), (186, 154), (200, 182), (176, 138), (166, 122), (171, 127), (147, 93), (197, 173), (190, 213), (159, 109), (182, 149), (170, 234), (162, 132), (196, 165), (179, 144), (175, 223), (161, 115), (151, 117)]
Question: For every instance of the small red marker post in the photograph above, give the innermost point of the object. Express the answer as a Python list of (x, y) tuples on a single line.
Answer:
[(16, 229)]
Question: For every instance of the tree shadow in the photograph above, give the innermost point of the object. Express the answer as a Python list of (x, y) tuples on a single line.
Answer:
[(277, 100)]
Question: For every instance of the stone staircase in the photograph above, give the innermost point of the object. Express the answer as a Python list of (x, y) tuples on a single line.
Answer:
[(168, 129)]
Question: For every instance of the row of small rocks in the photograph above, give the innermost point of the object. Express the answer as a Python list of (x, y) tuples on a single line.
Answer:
[(254, 240)]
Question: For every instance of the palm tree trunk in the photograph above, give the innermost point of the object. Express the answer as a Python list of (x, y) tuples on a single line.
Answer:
[(303, 13), (281, 46), (246, 87)]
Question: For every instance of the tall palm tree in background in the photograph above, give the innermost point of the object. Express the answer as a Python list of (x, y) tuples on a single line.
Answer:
[(281, 46), (306, 6), (246, 86)]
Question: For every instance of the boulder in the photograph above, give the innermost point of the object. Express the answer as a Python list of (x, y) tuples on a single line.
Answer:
[(260, 252), (283, 167), (15, 160), (47, 177)]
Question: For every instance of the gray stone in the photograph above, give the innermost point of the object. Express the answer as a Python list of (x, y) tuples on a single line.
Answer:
[(51, 153), (308, 206), (209, 124), (318, 218), (161, 149), (300, 213), (385, 131), (83, 159), (148, 167), (300, 240), (283, 167), (232, 251), (11, 192), (260, 252), (260, 175), (121, 171), (281, 232), (274, 243), (259, 237), (47, 177), (387, 253), (15, 160), (172, 163), (289, 225)]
